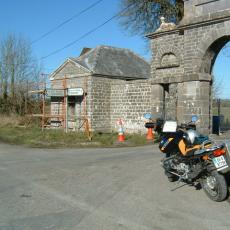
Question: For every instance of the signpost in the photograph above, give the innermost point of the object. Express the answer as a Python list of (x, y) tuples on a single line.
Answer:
[(75, 92), (55, 92), (60, 92)]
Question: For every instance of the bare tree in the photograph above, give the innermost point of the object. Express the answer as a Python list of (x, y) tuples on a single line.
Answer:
[(217, 87), (142, 16), (17, 68)]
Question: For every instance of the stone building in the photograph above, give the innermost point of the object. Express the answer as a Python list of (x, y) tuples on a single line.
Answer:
[(116, 85), (183, 57)]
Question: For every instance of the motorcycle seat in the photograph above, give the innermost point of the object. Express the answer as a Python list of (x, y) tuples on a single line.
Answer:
[(194, 152)]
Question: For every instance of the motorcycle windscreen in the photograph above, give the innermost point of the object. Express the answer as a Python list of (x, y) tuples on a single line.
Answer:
[(170, 127)]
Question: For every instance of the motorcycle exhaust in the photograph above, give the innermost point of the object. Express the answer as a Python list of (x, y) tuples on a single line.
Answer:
[(176, 174)]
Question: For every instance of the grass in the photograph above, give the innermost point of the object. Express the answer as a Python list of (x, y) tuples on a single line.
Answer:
[(14, 131), (34, 137)]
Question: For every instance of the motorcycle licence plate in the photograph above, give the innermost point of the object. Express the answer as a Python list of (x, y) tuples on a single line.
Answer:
[(220, 163)]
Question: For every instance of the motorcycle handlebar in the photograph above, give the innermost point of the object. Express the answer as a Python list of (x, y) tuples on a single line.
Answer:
[(158, 125), (186, 126)]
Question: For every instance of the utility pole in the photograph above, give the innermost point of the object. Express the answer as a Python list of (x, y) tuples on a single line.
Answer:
[(43, 76)]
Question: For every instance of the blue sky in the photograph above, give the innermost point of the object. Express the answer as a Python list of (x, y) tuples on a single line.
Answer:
[(222, 71), (31, 19)]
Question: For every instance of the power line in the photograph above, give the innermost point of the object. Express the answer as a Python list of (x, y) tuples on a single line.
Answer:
[(87, 33), (65, 22)]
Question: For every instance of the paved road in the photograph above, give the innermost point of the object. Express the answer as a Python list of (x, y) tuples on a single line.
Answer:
[(98, 189)]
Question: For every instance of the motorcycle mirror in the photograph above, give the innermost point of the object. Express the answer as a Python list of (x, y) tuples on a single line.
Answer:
[(148, 116), (194, 118)]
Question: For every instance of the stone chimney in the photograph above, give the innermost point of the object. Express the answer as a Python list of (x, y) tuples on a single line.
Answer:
[(84, 51)]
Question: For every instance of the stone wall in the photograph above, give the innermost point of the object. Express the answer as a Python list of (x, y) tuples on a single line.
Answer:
[(100, 103), (167, 65), (130, 100), (113, 99)]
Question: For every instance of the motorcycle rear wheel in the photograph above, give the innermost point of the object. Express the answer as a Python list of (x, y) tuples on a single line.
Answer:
[(215, 186)]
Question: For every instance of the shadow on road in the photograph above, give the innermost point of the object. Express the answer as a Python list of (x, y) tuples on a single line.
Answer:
[(228, 183), (197, 186)]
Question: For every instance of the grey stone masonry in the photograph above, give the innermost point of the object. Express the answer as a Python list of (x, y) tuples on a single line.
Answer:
[(130, 100), (204, 10), (183, 59), (100, 104)]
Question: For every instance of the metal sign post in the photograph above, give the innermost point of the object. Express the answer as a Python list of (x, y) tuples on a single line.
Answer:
[(66, 95)]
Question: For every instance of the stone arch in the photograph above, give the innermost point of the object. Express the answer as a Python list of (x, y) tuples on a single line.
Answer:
[(210, 46), (195, 42), (168, 57), (207, 52)]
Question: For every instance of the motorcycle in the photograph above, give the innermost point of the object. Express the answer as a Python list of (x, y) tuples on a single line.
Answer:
[(191, 158)]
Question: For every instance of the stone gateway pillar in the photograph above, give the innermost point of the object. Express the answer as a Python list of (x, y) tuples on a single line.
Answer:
[(183, 57)]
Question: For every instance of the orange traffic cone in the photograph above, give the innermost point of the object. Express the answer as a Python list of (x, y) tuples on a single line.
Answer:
[(150, 135), (121, 136)]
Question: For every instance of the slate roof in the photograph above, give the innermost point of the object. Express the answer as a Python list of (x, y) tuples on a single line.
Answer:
[(115, 62)]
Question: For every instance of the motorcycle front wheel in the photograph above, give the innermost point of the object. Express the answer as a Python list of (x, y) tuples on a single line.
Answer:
[(215, 186)]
